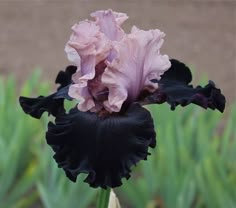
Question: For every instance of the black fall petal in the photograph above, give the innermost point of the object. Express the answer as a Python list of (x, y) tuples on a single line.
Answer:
[(37, 106), (103, 147), (64, 77), (54, 103), (174, 88)]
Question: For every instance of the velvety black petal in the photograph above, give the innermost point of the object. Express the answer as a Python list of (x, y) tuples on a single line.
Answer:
[(54, 103), (103, 147), (174, 88), (64, 77), (37, 106)]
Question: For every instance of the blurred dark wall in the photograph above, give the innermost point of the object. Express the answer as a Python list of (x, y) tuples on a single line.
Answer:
[(200, 33)]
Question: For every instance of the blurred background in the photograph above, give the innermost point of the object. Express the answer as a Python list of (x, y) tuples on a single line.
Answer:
[(194, 164), (201, 33)]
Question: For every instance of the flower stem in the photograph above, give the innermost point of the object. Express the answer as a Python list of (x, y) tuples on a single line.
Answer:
[(103, 198)]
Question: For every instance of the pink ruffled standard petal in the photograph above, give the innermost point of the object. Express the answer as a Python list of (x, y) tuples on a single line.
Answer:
[(109, 23), (90, 93), (137, 62), (86, 48), (83, 95), (87, 40), (120, 17), (113, 67)]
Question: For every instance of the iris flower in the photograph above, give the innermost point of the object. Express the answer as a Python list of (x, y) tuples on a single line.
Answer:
[(112, 76)]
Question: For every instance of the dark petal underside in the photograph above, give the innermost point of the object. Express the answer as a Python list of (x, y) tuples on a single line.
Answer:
[(54, 103), (104, 148), (174, 88)]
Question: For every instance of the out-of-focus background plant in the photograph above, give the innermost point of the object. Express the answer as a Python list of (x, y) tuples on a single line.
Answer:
[(193, 165)]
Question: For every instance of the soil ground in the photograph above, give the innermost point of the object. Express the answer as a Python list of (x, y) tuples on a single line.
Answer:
[(200, 33)]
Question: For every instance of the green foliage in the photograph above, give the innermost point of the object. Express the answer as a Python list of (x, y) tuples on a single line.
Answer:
[(17, 136), (56, 190), (28, 175), (193, 165)]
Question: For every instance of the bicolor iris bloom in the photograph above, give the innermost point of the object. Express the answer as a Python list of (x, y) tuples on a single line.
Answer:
[(112, 76)]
